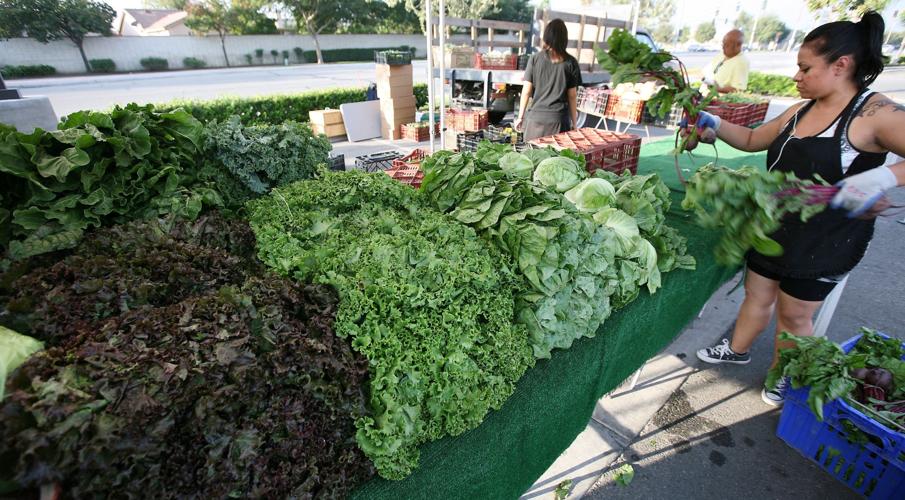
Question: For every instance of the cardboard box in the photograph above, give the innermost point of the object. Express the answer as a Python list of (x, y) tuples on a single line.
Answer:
[(398, 117), (393, 134), (456, 57), (325, 117), (401, 102), (385, 71), (395, 81), (334, 130), (390, 92)]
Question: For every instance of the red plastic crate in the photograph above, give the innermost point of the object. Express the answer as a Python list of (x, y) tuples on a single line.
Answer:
[(624, 110), (601, 149), (488, 61), (466, 120), (739, 113), (413, 132), (407, 169)]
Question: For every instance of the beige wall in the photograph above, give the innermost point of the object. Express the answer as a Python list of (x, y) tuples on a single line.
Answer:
[(127, 51)]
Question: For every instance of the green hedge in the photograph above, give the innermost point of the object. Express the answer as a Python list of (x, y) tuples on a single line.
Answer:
[(276, 109), (772, 85), (193, 63), (154, 63), (26, 71), (102, 65), (347, 55)]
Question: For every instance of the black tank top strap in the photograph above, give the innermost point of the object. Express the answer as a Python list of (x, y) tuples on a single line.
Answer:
[(850, 112)]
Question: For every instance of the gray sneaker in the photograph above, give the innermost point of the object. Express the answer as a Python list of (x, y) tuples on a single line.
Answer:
[(722, 353), (777, 395)]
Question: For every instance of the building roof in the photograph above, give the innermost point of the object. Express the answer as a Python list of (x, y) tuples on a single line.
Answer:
[(155, 19)]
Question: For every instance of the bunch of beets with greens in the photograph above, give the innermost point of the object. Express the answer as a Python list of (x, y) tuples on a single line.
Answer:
[(871, 376), (750, 204), (629, 60)]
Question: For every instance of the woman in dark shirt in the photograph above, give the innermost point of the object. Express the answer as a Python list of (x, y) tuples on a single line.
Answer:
[(551, 77)]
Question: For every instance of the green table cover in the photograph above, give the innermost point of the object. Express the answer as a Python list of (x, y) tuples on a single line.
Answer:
[(554, 401)]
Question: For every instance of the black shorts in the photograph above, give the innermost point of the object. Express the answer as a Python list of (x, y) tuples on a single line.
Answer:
[(812, 290)]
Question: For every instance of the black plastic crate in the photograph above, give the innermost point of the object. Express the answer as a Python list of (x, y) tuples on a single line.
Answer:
[(671, 121), (393, 57), (523, 61), (338, 162), (377, 162), (497, 134), (468, 141)]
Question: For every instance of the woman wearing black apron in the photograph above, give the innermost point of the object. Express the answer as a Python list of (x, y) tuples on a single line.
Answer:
[(842, 133)]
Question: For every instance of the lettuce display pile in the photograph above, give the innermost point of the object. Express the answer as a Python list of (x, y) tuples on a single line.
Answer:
[(427, 302), (186, 370), (561, 232), (97, 169)]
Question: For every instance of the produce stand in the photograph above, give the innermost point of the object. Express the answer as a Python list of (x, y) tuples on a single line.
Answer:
[(554, 401)]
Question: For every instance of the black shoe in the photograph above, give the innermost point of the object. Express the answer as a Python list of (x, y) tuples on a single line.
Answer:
[(722, 353)]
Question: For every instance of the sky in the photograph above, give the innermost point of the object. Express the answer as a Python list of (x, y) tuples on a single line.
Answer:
[(693, 12)]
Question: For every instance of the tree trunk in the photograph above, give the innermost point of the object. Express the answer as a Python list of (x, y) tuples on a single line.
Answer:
[(223, 46), (80, 44), (317, 43)]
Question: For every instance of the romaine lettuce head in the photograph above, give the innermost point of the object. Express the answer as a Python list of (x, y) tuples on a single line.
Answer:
[(558, 173), (591, 195)]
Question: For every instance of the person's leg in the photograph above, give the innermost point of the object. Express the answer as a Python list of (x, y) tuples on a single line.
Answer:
[(753, 318), (797, 302), (756, 310), (795, 316)]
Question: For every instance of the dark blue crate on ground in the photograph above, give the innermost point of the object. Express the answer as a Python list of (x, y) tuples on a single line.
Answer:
[(338, 162), (875, 469), (377, 162)]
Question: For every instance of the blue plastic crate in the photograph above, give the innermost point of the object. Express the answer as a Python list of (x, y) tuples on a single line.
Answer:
[(875, 469)]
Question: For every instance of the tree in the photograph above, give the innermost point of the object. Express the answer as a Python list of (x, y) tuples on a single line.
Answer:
[(744, 22), (684, 34), (48, 20), (770, 28), (317, 16), (376, 16), (663, 33), (468, 9), (705, 32), (224, 17), (850, 9), (516, 11)]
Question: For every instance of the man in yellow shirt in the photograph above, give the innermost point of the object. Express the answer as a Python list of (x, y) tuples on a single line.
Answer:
[(729, 70)]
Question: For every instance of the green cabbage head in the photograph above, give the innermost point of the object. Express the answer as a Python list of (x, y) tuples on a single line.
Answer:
[(558, 173), (591, 195)]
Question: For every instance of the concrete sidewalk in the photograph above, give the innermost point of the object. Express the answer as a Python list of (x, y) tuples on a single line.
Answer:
[(694, 430)]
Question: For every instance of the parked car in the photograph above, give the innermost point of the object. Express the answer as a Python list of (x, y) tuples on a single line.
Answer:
[(696, 47)]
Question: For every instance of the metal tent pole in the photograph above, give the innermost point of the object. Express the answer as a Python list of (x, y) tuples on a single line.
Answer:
[(430, 71), (442, 51)]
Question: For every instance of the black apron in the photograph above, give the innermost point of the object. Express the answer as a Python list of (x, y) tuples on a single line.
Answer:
[(829, 244)]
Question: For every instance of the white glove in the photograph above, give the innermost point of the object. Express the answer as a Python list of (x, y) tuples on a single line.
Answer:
[(859, 192), (710, 81)]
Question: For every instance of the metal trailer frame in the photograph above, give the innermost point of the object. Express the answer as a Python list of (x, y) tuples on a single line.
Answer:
[(436, 31)]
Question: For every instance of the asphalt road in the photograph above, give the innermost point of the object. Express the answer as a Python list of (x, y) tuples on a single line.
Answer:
[(73, 93)]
